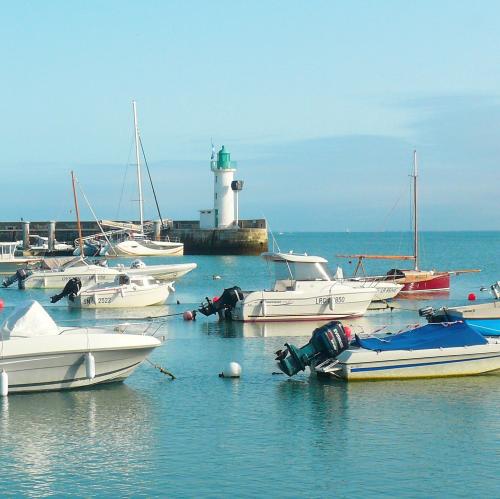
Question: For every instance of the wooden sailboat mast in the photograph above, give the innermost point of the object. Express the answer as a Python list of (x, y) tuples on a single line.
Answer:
[(415, 210), (80, 238)]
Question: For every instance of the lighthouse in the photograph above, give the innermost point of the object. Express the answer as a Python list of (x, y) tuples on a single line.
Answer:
[(224, 214)]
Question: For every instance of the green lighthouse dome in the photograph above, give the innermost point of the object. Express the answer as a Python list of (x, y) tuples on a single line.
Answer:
[(223, 159)]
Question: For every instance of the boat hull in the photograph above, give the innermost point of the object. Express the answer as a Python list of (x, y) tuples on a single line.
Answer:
[(58, 363), (133, 248), (118, 298), (360, 364), (433, 282), (102, 275), (332, 303)]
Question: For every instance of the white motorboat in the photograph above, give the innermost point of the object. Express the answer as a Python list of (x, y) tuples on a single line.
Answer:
[(138, 244), (384, 290), (95, 273), (433, 350), (39, 245), (126, 292), (303, 290), (38, 355), (9, 262)]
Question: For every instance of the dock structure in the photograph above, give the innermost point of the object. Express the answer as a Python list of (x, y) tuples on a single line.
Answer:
[(248, 237)]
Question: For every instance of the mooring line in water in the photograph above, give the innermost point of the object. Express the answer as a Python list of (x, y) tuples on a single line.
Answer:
[(162, 369)]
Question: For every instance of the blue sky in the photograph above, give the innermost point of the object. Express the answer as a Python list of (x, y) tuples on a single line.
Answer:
[(321, 104)]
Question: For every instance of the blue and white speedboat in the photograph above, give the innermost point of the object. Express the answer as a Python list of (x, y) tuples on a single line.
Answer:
[(433, 350)]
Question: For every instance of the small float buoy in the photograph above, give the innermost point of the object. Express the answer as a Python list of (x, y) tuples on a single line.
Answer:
[(2, 304), (216, 277), (188, 315), (348, 332), (471, 297), (232, 370), (4, 383), (89, 365)]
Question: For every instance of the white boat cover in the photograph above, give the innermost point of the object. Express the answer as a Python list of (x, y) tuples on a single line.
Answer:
[(28, 320)]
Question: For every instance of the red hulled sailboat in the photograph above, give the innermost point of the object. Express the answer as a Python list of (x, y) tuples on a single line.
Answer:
[(414, 280)]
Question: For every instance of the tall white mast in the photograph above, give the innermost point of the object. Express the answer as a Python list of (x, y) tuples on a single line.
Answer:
[(138, 161), (415, 209)]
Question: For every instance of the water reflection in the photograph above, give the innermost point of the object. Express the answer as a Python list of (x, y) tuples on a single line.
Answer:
[(48, 434)]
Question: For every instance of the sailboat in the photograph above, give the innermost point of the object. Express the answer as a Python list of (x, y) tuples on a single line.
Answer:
[(416, 279), (135, 242)]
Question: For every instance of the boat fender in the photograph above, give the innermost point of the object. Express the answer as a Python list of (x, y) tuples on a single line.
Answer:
[(4, 383), (89, 365), (171, 287)]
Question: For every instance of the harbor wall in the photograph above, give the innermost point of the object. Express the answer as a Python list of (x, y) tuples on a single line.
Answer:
[(248, 238)]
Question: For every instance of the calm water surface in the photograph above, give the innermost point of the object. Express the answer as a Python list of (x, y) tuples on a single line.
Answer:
[(262, 435)]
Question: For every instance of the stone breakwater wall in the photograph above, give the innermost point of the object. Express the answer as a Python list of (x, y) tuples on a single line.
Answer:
[(249, 237)]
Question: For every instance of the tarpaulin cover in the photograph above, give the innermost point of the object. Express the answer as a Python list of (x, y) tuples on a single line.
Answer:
[(456, 334)]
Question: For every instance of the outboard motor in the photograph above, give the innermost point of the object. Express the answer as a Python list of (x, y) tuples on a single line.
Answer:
[(433, 315), (71, 289), (224, 304), (326, 342), (137, 264), (19, 276)]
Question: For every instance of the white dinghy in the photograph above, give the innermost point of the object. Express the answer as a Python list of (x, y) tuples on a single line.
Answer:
[(126, 292), (38, 355)]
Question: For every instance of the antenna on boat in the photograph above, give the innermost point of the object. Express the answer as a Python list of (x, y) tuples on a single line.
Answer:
[(415, 209), (138, 162), (80, 239)]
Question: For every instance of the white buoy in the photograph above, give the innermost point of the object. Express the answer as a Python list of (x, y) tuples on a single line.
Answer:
[(232, 370), (89, 365), (4, 383)]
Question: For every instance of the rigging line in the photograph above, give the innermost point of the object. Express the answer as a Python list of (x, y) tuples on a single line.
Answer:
[(384, 221), (95, 218), (124, 180), (151, 182)]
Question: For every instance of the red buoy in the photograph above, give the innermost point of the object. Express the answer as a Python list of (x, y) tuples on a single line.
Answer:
[(2, 304), (348, 332), (471, 297), (215, 299)]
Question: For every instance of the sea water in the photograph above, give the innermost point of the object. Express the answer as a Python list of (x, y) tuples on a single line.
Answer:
[(263, 434)]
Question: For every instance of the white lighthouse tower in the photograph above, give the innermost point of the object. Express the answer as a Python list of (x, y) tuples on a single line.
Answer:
[(225, 212)]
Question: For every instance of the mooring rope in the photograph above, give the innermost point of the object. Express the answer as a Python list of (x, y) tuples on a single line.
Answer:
[(161, 369)]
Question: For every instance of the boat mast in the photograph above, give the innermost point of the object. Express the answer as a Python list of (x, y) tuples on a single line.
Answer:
[(80, 239), (415, 210), (138, 162)]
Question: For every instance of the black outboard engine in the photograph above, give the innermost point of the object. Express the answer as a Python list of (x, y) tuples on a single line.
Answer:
[(19, 276), (224, 304), (326, 342), (434, 315), (71, 289)]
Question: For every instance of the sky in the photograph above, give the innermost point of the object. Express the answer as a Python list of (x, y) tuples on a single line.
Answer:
[(321, 103)]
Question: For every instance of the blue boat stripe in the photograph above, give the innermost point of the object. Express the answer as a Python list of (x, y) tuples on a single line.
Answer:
[(402, 366)]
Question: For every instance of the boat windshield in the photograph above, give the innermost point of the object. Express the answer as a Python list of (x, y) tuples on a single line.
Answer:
[(7, 249), (301, 271)]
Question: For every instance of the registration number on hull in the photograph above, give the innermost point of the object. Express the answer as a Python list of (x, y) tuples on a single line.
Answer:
[(327, 300)]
